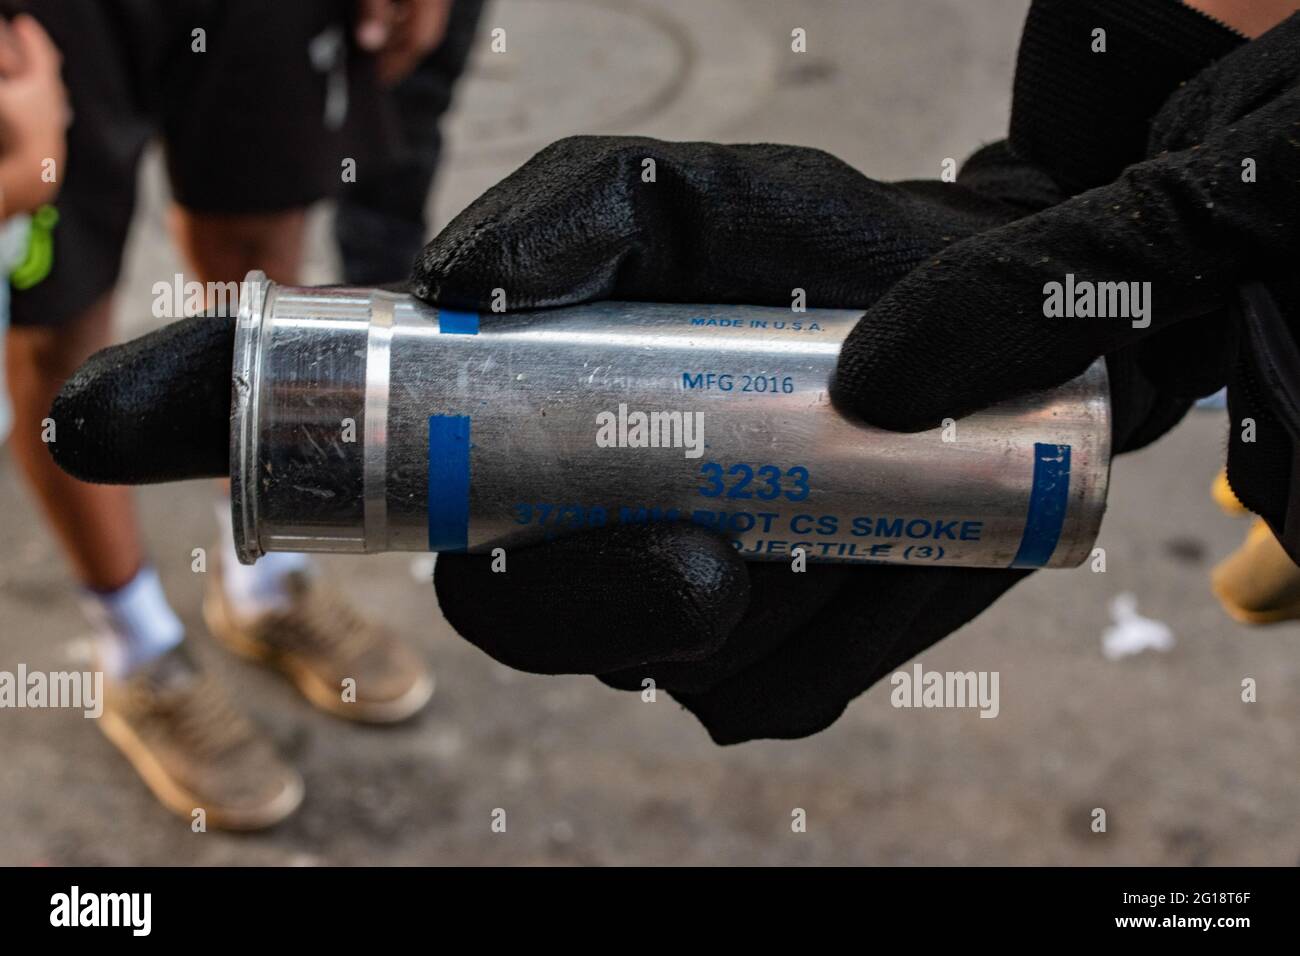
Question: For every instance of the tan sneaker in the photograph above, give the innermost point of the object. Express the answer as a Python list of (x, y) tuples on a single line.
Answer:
[(194, 750), (342, 663)]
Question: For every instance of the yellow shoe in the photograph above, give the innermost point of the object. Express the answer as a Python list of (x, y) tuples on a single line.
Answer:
[(1225, 497), (1258, 583)]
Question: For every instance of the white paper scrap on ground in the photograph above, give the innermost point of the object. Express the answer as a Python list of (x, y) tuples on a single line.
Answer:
[(1132, 633)]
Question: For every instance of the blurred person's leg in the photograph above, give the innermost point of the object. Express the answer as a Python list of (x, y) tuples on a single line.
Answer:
[(170, 721), (380, 224), (94, 523), (61, 317), (223, 247), (294, 119)]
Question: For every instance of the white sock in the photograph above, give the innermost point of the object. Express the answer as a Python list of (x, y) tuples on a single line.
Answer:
[(256, 589), (135, 623)]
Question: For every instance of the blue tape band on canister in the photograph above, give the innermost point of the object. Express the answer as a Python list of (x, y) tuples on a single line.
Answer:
[(451, 322), (1048, 501), (448, 482)]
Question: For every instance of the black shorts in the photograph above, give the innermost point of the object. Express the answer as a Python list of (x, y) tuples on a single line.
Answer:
[(260, 120)]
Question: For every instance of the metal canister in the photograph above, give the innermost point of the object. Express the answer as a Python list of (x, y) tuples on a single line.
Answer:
[(368, 421)]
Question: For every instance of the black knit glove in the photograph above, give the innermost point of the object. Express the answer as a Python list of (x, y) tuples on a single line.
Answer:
[(1216, 206), (753, 650)]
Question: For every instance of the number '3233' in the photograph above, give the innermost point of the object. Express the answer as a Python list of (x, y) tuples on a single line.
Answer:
[(764, 482)]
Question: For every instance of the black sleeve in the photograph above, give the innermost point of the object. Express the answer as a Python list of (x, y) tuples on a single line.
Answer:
[(1084, 115)]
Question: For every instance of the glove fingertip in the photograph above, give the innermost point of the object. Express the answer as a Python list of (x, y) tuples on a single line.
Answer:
[(736, 718), (881, 404), (154, 409)]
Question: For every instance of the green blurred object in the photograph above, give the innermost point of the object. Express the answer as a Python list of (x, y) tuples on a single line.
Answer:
[(36, 265)]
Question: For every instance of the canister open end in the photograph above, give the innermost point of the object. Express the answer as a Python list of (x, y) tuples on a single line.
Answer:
[(244, 405)]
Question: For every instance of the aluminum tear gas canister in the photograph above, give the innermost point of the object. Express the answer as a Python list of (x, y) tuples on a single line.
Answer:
[(365, 421)]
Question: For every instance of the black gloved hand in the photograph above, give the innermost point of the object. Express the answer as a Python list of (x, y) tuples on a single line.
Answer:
[(753, 650), (1218, 205), (1188, 221)]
